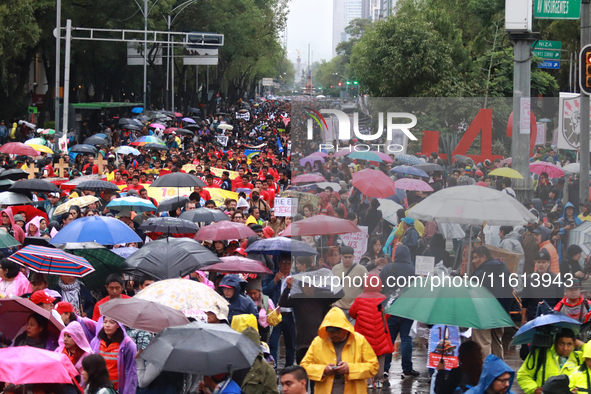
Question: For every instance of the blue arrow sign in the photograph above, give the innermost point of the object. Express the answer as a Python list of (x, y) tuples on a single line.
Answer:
[(549, 64)]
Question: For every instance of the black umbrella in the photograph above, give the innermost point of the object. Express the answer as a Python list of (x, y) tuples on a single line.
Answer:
[(96, 185), (201, 348), (169, 225), (184, 131), (172, 203), (192, 126), (155, 146), (178, 179), (204, 215), (429, 167), (14, 174), (95, 141), (170, 258), (39, 241), (124, 121), (84, 148), (34, 185), (131, 127)]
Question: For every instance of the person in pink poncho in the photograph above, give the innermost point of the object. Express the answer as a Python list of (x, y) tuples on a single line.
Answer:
[(13, 283), (12, 228), (201, 276), (73, 343), (33, 228)]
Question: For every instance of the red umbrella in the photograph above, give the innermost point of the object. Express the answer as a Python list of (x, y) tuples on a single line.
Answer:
[(170, 130), (14, 313), (18, 148), (286, 232), (30, 211), (413, 184), (322, 225), (374, 183), (223, 231), (238, 265), (308, 178)]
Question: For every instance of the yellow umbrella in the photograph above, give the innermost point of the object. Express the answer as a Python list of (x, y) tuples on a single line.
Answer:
[(78, 201), (506, 172), (41, 148)]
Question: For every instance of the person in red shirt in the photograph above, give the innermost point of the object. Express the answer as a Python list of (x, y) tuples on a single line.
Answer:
[(135, 185), (90, 165), (269, 192), (202, 192), (245, 184), (272, 185), (114, 285), (118, 179), (48, 171), (209, 181), (238, 180)]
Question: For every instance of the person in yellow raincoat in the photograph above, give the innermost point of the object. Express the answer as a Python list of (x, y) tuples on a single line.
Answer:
[(581, 378), (560, 359), (339, 357)]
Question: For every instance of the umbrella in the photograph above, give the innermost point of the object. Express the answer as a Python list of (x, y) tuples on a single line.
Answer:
[(80, 245), (95, 141), (573, 168), (18, 148), (526, 333), (143, 315), (308, 178), (157, 126), (124, 205), (374, 183), (184, 131), (28, 124), (70, 185), (170, 258), (97, 185), (39, 241), (409, 159), (178, 114), (125, 252), (14, 313), (7, 240), (389, 210), (225, 126), (127, 150), (369, 156), (29, 365), (413, 185), (581, 235), (323, 185), (472, 205), (80, 202), (124, 121), (133, 127), (322, 225), (188, 296), (207, 349), (137, 110), (104, 261), (170, 130), (52, 261), (172, 203), (36, 141), (409, 170), (463, 159), (14, 174), (223, 231), (41, 148), (552, 170), (84, 148), (429, 167), (10, 198), (29, 211), (238, 265), (100, 135), (311, 159), (178, 179), (101, 229), (34, 185), (169, 225), (5, 184), (147, 140), (155, 146), (506, 172), (48, 132), (204, 215), (188, 120), (278, 245)]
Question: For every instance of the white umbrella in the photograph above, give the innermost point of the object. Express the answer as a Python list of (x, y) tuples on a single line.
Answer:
[(574, 168), (11, 198), (323, 185), (472, 205), (225, 126), (389, 209)]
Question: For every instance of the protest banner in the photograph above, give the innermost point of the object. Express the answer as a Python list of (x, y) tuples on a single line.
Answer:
[(358, 241), (285, 206), (444, 341), (424, 265)]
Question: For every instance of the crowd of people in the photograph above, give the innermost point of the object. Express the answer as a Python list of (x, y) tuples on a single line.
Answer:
[(334, 341)]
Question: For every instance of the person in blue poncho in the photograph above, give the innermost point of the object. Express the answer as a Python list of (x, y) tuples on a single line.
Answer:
[(496, 377)]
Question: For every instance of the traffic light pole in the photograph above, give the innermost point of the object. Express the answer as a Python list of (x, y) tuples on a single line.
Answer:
[(584, 118)]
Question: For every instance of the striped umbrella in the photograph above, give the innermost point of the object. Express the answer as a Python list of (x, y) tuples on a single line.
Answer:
[(52, 261), (148, 139)]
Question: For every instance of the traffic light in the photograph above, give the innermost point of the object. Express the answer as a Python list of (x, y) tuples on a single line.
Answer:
[(340, 84), (585, 67), (354, 82), (348, 82)]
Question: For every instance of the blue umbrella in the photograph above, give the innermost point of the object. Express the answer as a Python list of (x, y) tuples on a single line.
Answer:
[(409, 159), (408, 170), (527, 331), (136, 204), (101, 135), (398, 197), (137, 110), (278, 245), (100, 229), (370, 156)]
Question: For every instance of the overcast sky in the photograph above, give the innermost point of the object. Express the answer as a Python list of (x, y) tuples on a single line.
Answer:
[(309, 21)]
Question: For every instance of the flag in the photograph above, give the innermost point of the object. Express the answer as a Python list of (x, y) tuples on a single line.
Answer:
[(279, 144), (63, 143)]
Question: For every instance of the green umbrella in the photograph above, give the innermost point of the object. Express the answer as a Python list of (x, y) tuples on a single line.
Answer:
[(104, 262), (462, 305), (7, 240)]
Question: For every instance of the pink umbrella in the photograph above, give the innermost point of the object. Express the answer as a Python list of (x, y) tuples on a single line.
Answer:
[(28, 365), (552, 170), (383, 156), (178, 114), (343, 152), (170, 130), (157, 126), (238, 265), (286, 232), (223, 231), (322, 225), (508, 160), (374, 183), (311, 159), (413, 184), (308, 178)]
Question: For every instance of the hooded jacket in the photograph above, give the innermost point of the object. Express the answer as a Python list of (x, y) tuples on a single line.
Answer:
[(529, 381), (35, 221), (21, 285), (126, 365), (77, 333), (493, 368), (370, 319), (15, 231), (512, 243), (402, 266), (261, 378), (239, 303), (325, 207), (357, 353)]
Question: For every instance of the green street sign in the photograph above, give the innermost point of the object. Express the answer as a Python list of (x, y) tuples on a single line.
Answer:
[(32, 110), (547, 54), (552, 45), (552, 9)]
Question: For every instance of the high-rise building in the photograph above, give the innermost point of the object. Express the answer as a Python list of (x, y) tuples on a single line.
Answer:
[(370, 9), (343, 12), (386, 8)]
